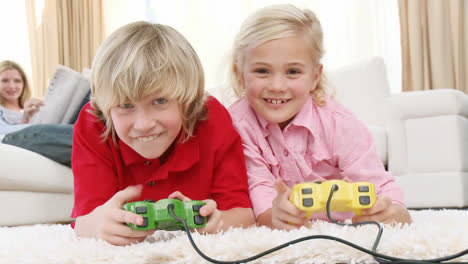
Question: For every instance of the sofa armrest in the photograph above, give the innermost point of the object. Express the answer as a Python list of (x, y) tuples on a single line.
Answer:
[(428, 131), (420, 104)]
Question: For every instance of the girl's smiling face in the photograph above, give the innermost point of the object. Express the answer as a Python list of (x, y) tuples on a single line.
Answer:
[(279, 76), (148, 126)]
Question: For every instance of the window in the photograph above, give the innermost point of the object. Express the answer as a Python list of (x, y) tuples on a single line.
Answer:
[(14, 29), (356, 30)]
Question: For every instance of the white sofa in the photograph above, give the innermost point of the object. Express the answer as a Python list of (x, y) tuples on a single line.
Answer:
[(422, 137), (33, 189), (428, 147)]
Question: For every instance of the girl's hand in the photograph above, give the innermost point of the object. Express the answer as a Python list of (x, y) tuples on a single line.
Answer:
[(385, 212), (30, 108), (107, 221), (284, 214), (210, 210)]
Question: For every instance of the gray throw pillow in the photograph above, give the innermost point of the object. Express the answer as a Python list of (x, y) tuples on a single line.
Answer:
[(63, 97)]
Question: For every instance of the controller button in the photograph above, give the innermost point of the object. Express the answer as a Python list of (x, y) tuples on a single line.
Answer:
[(363, 188), (198, 220), (145, 222), (196, 207), (308, 202), (364, 200), (307, 191), (141, 210), (149, 201), (151, 183)]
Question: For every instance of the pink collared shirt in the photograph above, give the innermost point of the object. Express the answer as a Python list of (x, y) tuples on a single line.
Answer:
[(320, 143)]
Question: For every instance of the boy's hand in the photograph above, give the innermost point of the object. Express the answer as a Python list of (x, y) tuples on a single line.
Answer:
[(210, 210), (385, 212), (284, 214), (107, 221)]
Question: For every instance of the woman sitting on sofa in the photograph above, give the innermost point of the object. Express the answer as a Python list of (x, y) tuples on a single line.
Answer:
[(16, 106), (53, 141)]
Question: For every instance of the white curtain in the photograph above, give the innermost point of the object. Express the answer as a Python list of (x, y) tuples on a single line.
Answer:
[(62, 32), (358, 29), (353, 29)]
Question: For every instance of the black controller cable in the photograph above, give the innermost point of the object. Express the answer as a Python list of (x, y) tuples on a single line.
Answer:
[(386, 259), (377, 256)]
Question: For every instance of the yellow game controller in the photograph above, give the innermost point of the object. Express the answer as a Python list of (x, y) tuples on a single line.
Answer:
[(312, 197)]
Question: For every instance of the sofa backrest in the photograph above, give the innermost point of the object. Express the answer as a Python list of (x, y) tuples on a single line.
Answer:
[(363, 88)]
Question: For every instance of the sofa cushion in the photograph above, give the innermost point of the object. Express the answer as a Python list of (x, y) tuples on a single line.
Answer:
[(28, 171), (380, 138), (28, 208), (63, 98), (363, 88)]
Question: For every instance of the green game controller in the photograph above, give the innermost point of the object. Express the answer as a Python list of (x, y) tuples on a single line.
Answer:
[(156, 215)]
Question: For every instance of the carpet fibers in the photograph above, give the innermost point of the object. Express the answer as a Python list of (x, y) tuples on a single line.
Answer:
[(433, 234)]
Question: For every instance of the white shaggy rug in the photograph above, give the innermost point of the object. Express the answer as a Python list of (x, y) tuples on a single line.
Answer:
[(432, 234)]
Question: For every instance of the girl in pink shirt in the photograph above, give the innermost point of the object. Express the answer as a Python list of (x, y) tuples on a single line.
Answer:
[(292, 131)]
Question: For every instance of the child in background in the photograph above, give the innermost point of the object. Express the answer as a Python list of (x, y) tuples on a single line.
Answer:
[(292, 131), (150, 132), (16, 107)]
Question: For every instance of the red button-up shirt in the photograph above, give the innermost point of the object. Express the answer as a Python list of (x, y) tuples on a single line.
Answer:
[(210, 165)]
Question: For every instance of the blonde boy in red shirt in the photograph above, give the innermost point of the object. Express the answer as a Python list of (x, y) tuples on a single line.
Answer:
[(150, 132)]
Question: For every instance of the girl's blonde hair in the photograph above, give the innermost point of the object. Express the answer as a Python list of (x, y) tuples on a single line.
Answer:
[(275, 22), (26, 94), (140, 59)]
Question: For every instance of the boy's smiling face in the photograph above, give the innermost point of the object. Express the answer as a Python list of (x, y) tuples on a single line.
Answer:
[(148, 126)]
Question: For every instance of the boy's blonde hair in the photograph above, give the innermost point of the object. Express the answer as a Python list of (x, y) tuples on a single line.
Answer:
[(275, 22), (140, 59), (26, 94)]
